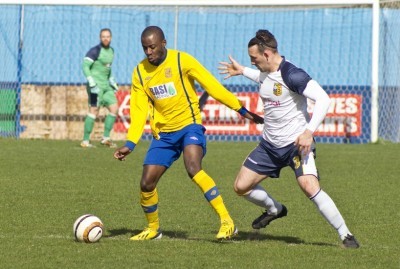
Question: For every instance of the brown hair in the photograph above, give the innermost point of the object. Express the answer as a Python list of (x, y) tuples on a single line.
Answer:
[(264, 40)]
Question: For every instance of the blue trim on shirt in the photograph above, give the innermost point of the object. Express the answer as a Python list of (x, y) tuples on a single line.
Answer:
[(94, 52), (130, 145), (295, 78), (242, 111)]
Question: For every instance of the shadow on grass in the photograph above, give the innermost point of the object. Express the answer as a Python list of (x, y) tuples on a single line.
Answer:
[(130, 232), (242, 236), (118, 232), (257, 236)]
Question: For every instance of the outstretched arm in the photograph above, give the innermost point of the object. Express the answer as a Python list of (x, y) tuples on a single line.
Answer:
[(230, 69), (251, 116), (234, 69), (212, 86)]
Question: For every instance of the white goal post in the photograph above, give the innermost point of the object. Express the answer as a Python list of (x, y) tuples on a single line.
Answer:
[(283, 4)]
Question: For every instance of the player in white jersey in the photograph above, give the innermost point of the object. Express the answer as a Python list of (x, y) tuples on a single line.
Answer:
[(287, 138)]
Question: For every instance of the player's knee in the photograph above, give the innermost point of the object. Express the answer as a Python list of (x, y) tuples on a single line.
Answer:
[(94, 110), (309, 184), (238, 188), (147, 186), (113, 109), (193, 172), (242, 185), (192, 168)]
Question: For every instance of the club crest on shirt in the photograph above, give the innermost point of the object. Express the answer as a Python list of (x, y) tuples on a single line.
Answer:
[(296, 161), (277, 89), (163, 91), (168, 72)]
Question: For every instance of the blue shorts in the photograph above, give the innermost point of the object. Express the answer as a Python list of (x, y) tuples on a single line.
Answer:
[(169, 147), (268, 160)]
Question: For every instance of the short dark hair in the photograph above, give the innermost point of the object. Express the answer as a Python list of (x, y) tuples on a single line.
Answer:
[(106, 30), (264, 39), (153, 30)]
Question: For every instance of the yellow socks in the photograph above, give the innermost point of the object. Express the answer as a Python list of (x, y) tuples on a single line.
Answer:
[(149, 202), (211, 193)]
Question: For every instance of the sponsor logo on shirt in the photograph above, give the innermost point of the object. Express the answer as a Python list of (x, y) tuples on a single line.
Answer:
[(277, 89), (163, 91), (168, 72), (273, 103)]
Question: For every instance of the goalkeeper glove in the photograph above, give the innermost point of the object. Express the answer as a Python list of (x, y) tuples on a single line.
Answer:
[(91, 81), (113, 84), (95, 90), (92, 85)]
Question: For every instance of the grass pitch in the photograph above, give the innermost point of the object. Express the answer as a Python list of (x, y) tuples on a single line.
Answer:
[(46, 185)]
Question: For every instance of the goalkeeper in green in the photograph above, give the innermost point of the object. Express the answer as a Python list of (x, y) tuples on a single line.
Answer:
[(101, 88)]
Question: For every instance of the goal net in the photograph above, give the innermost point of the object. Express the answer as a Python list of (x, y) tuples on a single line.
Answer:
[(42, 86), (389, 68)]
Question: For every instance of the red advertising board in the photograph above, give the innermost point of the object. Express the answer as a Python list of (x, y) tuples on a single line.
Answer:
[(343, 117)]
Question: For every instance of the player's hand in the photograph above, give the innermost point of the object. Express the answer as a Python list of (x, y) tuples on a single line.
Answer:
[(231, 69), (304, 142), (256, 118), (121, 153)]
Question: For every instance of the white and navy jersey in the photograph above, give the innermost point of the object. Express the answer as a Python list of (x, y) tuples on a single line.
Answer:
[(285, 106)]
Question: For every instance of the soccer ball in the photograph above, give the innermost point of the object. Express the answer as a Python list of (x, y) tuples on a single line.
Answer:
[(88, 228)]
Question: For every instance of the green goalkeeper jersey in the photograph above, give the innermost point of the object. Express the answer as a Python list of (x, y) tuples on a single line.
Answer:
[(97, 68)]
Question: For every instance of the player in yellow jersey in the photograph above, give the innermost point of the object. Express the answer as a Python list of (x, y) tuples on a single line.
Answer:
[(163, 86)]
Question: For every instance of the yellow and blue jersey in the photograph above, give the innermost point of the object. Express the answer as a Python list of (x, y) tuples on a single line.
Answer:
[(168, 93)]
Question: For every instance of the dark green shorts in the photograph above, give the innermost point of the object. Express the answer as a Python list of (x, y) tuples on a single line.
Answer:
[(105, 99)]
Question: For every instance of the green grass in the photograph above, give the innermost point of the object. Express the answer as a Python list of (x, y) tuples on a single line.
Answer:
[(46, 185)]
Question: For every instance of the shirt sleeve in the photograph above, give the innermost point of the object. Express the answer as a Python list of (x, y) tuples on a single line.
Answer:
[(295, 78), (139, 108), (86, 65), (322, 101), (252, 74), (210, 84), (88, 61)]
